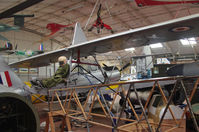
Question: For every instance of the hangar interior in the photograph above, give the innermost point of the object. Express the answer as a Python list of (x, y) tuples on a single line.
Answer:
[(24, 25)]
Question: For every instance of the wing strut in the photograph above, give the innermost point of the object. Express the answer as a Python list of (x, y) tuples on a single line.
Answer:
[(79, 62)]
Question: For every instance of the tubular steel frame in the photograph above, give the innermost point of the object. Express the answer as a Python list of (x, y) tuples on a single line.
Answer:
[(145, 124)]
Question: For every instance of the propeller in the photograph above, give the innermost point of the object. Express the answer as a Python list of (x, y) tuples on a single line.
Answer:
[(12, 51), (125, 66), (104, 65), (16, 47), (109, 68), (9, 46)]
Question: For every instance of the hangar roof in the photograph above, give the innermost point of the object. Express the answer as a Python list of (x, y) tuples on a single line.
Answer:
[(121, 15)]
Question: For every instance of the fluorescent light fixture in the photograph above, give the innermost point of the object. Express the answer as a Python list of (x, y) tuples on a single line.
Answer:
[(188, 41), (130, 49), (192, 40), (184, 41), (156, 45)]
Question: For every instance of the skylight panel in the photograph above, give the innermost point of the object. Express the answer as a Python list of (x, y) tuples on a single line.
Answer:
[(156, 45), (130, 49), (192, 40), (188, 41), (184, 41)]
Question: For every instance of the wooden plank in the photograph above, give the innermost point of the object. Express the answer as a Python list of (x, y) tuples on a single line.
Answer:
[(137, 118), (60, 103), (68, 106), (115, 95), (63, 125), (92, 122), (190, 98), (80, 105), (165, 99), (91, 107), (135, 127), (87, 98), (47, 124), (52, 126), (102, 106), (141, 123), (104, 116), (66, 98), (68, 123), (51, 103), (148, 99), (126, 82)]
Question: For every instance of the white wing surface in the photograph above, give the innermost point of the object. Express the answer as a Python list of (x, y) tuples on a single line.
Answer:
[(176, 29)]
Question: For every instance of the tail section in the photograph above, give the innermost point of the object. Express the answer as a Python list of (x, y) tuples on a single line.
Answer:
[(3, 38), (40, 51), (79, 36), (7, 77), (41, 47), (8, 45)]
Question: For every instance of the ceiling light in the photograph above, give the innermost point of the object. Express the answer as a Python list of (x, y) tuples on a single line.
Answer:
[(192, 40), (184, 41), (156, 45), (188, 41), (130, 49)]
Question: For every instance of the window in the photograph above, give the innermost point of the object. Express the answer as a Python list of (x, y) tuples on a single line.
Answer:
[(130, 49), (188, 41), (156, 45)]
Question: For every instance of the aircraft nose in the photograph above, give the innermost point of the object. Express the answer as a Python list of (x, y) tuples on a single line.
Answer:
[(175, 70)]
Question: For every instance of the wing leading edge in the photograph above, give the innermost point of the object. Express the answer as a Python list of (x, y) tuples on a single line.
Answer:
[(41, 59), (162, 32), (176, 29)]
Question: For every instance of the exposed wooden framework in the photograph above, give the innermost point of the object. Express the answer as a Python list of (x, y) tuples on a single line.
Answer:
[(141, 123)]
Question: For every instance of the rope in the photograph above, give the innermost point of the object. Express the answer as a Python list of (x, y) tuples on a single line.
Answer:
[(181, 6), (91, 14)]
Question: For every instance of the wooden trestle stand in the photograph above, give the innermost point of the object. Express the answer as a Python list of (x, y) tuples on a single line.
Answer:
[(139, 124)]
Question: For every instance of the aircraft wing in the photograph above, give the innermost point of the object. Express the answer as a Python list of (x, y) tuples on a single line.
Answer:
[(163, 2), (3, 38), (176, 29), (4, 49), (41, 59)]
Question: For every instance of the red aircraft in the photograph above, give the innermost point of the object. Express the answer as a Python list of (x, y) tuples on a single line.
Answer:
[(99, 24), (55, 29), (163, 2)]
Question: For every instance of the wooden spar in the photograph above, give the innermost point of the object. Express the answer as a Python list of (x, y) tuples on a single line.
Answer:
[(149, 97), (69, 113), (126, 82), (166, 101)]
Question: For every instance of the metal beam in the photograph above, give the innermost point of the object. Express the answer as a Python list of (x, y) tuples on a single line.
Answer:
[(194, 51), (105, 10), (18, 8), (168, 47)]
